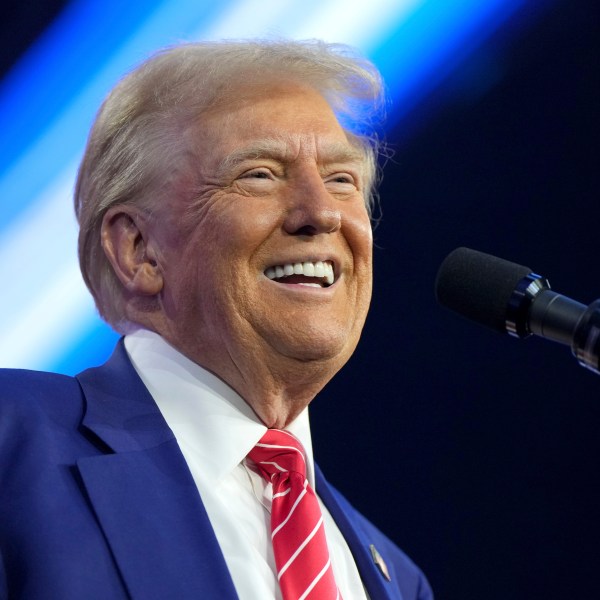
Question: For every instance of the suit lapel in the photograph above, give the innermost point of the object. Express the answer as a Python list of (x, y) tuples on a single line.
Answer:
[(358, 542), (143, 493)]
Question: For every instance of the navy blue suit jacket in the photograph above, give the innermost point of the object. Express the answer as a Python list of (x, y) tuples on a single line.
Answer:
[(97, 502)]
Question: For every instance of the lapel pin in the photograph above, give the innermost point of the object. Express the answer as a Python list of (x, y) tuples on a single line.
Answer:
[(379, 562)]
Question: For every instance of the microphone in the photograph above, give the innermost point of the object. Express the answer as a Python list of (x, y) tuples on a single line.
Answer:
[(510, 298)]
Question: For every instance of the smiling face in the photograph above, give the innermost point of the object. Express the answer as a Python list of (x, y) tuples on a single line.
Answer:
[(265, 241)]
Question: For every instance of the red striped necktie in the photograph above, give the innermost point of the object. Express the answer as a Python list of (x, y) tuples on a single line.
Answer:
[(297, 531)]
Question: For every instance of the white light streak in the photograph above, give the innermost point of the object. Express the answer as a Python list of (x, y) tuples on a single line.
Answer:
[(360, 24), (37, 245), (49, 325)]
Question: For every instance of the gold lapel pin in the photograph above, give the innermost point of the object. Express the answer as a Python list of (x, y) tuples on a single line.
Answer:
[(379, 562)]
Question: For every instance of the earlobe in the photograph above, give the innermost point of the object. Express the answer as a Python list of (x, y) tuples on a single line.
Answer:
[(125, 243)]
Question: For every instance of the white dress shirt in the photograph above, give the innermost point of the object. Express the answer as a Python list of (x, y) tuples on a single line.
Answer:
[(215, 430)]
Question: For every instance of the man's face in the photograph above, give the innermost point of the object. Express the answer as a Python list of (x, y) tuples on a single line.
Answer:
[(271, 186)]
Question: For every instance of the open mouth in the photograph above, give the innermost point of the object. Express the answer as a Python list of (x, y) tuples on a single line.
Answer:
[(314, 274)]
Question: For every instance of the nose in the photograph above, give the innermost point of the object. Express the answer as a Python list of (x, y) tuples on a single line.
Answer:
[(312, 210)]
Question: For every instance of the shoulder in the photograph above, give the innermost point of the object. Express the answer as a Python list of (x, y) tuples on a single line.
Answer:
[(24, 380), (20, 383), (35, 396)]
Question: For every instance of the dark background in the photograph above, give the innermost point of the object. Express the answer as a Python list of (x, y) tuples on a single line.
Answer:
[(477, 453)]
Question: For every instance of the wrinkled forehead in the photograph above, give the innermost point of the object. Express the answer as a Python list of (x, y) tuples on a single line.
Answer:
[(281, 121)]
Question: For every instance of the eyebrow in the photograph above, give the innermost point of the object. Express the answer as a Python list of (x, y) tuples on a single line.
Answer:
[(279, 150)]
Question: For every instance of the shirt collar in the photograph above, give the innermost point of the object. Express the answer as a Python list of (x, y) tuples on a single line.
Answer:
[(208, 418)]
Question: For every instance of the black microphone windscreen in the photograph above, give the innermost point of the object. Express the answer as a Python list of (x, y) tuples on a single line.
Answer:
[(478, 286)]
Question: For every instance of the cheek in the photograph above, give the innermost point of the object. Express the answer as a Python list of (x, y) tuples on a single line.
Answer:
[(359, 235), (221, 250), (240, 220), (360, 241)]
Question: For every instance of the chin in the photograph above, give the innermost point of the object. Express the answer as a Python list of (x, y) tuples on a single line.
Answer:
[(320, 347)]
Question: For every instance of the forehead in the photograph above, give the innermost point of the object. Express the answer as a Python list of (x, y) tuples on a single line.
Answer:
[(280, 121)]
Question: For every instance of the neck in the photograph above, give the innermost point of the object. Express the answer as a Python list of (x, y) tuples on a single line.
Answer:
[(276, 391), (277, 387)]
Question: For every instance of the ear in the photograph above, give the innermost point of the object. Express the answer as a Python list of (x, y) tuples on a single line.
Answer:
[(125, 243)]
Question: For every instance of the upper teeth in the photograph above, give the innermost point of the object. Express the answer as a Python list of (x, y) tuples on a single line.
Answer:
[(309, 269)]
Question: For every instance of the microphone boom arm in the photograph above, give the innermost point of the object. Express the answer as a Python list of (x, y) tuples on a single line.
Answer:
[(586, 341)]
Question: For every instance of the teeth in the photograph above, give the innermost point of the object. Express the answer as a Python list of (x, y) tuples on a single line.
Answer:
[(324, 270), (309, 269)]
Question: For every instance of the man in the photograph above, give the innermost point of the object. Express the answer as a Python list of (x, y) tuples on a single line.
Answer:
[(224, 229)]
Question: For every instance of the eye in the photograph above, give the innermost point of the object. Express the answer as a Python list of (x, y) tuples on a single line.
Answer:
[(259, 180), (343, 179), (257, 174), (342, 182)]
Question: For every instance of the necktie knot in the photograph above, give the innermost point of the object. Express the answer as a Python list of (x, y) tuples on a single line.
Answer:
[(278, 452)]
